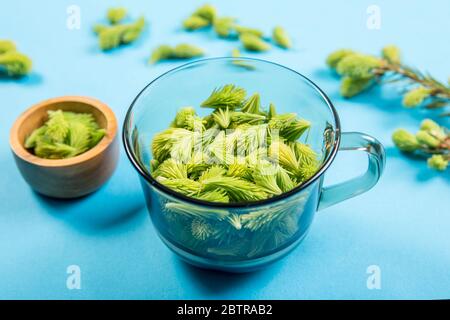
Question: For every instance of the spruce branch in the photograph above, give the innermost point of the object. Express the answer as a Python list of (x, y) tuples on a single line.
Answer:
[(361, 71), (431, 141)]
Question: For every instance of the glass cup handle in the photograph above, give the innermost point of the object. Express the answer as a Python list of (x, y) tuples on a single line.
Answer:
[(353, 187)]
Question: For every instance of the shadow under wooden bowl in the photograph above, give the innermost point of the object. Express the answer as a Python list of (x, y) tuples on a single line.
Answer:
[(72, 177)]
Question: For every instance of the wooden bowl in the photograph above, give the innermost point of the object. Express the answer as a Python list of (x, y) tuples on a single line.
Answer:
[(72, 177)]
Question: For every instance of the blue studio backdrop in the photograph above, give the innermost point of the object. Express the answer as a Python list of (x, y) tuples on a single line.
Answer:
[(399, 229)]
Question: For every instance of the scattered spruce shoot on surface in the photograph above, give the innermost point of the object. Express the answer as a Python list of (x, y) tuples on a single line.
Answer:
[(281, 38), (180, 51), (240, 152), (224, 26), (252, 39), (13, 63), (252, 42), (118, 33), (235, 53), (116, 15), (7, 45), (64, 135), (202, 17)]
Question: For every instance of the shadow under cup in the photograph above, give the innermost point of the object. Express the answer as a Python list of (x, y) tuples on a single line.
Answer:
[(241, 236)]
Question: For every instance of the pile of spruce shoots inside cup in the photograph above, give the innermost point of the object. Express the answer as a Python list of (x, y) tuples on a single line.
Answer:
[(240, 152)]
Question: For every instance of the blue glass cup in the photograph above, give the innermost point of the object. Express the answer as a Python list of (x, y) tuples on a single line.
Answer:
[(241, 237)]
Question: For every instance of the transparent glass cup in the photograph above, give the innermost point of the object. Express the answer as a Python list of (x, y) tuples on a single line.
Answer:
[(242, 236)]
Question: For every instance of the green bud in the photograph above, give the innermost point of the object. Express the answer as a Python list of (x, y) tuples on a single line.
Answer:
[(224, 26), (228, 96), (181, 51), (426, 138), (7, 45), (252, 42), (405, 140), (252, 104), (307, 170), (110, 37), (195, 22), (415, 97), (281, 37), (186, 51), (222, 118), (295, 129), (391, 53), (48, 150), (162, 52), (33, 138), (235, 53), (116, 15), (304, 152), (358, 66), (437, 162), (207, 12), (429, 125), (180, 120), (335, 57), (15, 64), (99, 28), (433, 128), (351, 86), (133, 31), (272, 111), (256, 32)]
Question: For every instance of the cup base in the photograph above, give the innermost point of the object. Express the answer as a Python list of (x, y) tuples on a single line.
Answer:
[(232, 266)]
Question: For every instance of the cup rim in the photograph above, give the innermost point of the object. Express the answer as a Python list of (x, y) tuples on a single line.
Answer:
[(246, 204)]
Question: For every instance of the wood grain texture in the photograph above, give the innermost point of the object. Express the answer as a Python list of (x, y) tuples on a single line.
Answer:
[(72, 177)]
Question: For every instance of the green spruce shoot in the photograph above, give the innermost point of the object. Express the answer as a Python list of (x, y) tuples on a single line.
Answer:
[(64, 135)]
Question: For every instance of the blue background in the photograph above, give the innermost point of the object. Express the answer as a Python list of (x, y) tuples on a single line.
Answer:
[(402, 225)]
